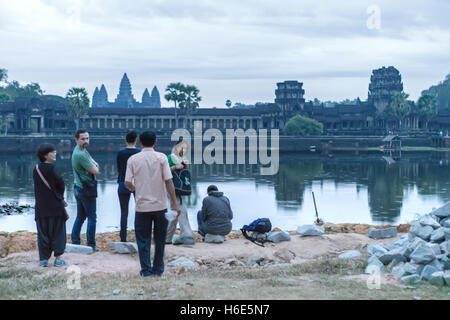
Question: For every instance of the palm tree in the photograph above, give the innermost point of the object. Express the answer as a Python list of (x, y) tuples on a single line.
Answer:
[(426, 107), (3, 75), (191, 101), (77, 104), (400, 106), (175, 93)]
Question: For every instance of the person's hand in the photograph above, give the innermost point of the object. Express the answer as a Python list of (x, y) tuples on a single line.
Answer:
[(174, 207), (65, 203)]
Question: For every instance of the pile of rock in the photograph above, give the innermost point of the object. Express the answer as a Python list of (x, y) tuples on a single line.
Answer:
[(422, 254)]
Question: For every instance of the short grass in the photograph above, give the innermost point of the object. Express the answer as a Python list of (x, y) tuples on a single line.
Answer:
[(321, 279)]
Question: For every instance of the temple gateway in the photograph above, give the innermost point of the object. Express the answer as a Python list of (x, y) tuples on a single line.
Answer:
[(47, 115)]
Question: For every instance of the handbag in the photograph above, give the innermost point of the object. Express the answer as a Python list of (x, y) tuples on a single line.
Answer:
[(64, 203), (89, 187)]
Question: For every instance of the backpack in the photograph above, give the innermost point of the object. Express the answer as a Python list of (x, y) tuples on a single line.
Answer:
[(259, 229), (182, 182)]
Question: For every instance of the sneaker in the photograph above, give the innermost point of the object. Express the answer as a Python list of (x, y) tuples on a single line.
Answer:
[(145, 274), (43, 263), (59, 263)]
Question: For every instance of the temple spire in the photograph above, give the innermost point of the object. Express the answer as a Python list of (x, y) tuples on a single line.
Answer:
[(156, 99), (125, 97), (95, 98), (102, 100), (146, 99)]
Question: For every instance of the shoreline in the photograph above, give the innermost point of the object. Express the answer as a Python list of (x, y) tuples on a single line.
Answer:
[(286, 143), (23, 241)]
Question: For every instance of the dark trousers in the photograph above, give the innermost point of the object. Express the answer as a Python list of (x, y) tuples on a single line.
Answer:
[(143, 228), (86, 208), (51, 236), (201, 224), (124, 199)]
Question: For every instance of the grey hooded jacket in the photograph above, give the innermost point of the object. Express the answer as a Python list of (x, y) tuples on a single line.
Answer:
[(217, 214)]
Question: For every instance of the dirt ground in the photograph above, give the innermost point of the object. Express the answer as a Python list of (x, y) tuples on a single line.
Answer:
[(303, 268), (233, 252)]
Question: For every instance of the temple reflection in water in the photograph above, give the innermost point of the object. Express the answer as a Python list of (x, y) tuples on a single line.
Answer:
[(386, 185)]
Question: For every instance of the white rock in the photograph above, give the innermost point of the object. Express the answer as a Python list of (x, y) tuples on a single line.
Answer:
[(75, 248), (214, 238), (428, 220), (124, 247), (350, 254), (185, 262), (310, 230)]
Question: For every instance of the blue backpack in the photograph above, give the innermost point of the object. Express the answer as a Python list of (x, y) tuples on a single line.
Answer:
[(258, 228)]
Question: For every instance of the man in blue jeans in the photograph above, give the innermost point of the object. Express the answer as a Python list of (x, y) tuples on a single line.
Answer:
[(148, 175), (84, 169)]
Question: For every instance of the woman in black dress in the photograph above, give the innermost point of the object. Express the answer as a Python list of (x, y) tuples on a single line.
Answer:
[(50, 214)]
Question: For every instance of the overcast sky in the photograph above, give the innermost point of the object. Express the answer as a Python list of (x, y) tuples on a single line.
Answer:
[(234, 49)]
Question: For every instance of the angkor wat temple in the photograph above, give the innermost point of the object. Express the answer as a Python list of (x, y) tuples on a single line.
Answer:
[(48, 115), (125, 98)]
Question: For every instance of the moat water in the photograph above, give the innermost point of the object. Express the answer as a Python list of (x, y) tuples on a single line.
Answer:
[(348, 187)]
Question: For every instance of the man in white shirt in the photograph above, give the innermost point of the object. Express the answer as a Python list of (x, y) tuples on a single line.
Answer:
[(148, 175)]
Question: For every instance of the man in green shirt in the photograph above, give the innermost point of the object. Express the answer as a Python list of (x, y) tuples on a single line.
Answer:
[(84, 170)]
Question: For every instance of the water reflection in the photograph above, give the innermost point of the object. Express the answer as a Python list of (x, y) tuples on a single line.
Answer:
[(349, 187)]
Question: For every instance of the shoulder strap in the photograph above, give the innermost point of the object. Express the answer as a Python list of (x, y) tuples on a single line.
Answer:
[(42, 177)]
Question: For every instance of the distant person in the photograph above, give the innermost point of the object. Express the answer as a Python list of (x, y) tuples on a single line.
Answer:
[(85, 188), (148, 175), (178, 162), (122, 191), (216, 214), (50, 212)]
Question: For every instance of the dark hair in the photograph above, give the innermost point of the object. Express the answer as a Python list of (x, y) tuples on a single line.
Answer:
[(180, 140), (131, 136), (81, 131), (43, 150), (212, 188), (147, 139)]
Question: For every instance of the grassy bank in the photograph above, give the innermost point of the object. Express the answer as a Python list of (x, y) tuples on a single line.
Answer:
[(321, 279)]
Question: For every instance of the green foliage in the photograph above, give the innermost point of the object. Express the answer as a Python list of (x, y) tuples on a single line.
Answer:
[(426, 105), (400, 106), (303, 126), (77, 104), (191, 99), (441, 92), (14, 90), (4, 97), (175, 93), (3, 75)]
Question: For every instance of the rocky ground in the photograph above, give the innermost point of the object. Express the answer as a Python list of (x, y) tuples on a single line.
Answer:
[(303, 268), (15, 242)]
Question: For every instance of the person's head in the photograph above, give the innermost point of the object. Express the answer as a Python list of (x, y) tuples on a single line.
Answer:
[(82, 138), (131, 137), (46, 153), (212, 188), (147, 139), (178, 148)]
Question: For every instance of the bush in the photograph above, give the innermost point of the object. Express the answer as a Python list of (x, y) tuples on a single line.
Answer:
[(303, 126)]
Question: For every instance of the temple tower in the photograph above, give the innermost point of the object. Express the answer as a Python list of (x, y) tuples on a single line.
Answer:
[(125, 97), (156, 99), (146, 99), (102, 100), (384, 83), (95, 98)]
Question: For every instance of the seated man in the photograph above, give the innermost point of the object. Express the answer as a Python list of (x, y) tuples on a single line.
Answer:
[(216, 215)]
